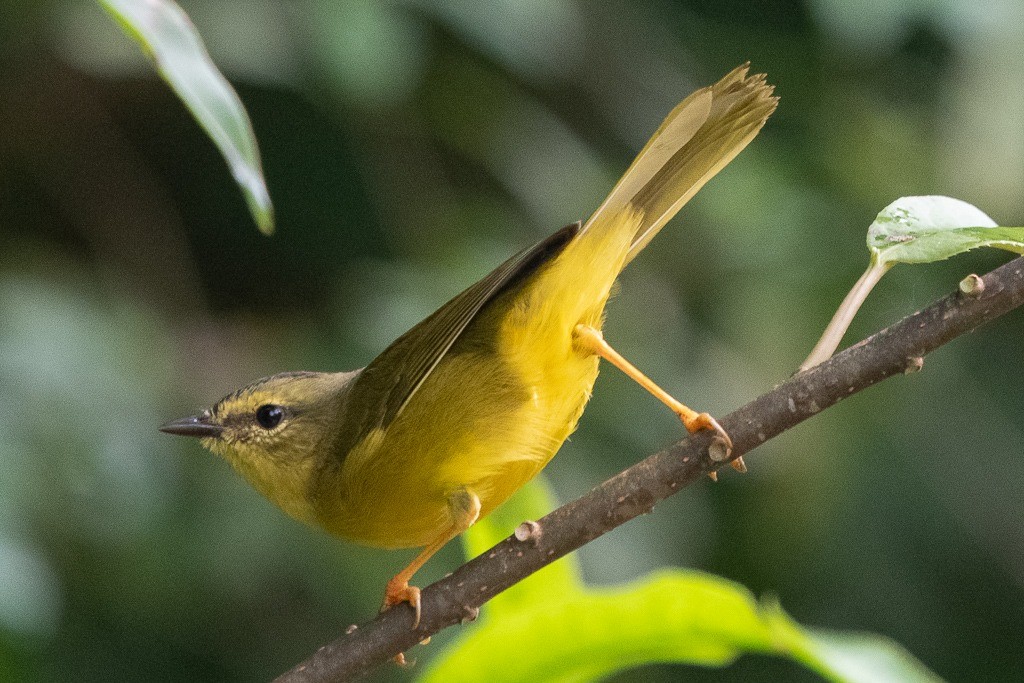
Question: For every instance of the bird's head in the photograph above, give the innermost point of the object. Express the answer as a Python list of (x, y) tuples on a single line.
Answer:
[(275, 431)]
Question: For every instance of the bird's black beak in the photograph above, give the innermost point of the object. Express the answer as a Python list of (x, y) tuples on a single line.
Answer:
[(197, 425)]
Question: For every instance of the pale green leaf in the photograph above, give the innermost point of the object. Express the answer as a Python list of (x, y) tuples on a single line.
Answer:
[(914, 230), (670, 616), (866, 658), (675, 616), (552, 627), (169, 39), (844, 657), (926, 229)]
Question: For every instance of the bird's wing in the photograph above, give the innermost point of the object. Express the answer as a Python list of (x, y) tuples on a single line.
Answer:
[(388, 383)]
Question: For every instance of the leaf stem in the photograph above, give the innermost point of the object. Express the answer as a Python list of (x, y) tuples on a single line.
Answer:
[(840, 322)]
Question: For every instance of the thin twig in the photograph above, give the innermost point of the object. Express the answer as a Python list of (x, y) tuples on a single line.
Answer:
[(893, 351)]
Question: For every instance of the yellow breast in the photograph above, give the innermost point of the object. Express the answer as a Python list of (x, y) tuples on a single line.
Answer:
[(494, 411)]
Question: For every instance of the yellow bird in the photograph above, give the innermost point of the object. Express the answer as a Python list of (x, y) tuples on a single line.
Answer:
[(470, 404)]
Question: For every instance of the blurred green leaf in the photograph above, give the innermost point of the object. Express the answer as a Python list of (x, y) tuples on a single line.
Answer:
[(926, 229), (552, 627), (867, 657), (670, 616), (169, 39), (562, 577)]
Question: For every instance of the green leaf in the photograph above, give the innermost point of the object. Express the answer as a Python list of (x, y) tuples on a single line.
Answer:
[(926, 229), (675, 616), (561, 577), (914, 230), (169, 39), (867, 657), (670, 616), (552, 627)]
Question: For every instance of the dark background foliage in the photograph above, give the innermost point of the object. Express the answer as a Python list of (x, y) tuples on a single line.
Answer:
[(410, 146)]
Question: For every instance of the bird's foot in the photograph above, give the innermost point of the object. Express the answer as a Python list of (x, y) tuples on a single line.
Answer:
[(399, 591), (721, 447)]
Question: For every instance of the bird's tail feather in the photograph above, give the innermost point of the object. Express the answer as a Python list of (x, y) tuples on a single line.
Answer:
[(695, 141)]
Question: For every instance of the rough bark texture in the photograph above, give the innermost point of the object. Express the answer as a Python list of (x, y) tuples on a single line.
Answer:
[(896, 350)]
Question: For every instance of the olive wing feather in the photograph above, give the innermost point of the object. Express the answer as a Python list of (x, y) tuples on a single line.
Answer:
[(390, 381)]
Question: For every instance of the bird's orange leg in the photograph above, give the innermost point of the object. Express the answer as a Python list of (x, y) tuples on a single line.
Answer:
[(465, 510), (591, 340)]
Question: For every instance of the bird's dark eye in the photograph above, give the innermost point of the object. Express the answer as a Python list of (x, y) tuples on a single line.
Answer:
[(269, 416)]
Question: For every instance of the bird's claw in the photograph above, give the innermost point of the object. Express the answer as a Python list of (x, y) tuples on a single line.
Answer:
[(705, 421), (399, 592), (396, 593), (721, 445)]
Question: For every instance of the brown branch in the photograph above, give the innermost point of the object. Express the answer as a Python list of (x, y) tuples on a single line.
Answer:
[(893, 351)]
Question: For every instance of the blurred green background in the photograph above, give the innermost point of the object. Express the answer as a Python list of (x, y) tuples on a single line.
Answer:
[(410, 146)]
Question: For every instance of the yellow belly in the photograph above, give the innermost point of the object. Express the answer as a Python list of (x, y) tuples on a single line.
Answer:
[(489, 436), (493, 412)]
